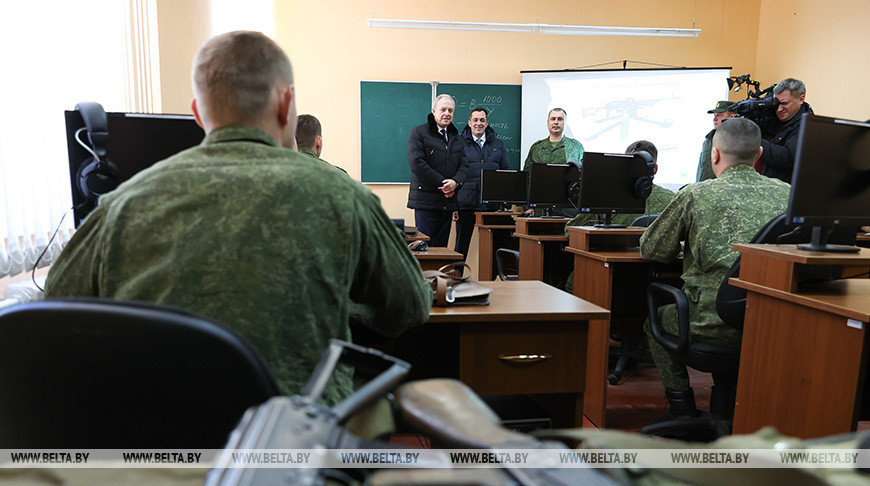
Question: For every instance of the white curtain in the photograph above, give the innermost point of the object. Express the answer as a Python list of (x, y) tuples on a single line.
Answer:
[(56, 54)]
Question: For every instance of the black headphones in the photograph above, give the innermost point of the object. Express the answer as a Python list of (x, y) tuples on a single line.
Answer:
[(574, 185), (643, 185), (97, 175)]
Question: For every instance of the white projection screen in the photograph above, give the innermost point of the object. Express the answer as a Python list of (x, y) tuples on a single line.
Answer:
[(609, 109)]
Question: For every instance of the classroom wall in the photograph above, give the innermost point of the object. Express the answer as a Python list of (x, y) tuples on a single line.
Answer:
[(820, 43), (332, 49), (182, 27)]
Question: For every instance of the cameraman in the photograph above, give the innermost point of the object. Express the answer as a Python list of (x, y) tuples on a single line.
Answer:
[(780, 135)]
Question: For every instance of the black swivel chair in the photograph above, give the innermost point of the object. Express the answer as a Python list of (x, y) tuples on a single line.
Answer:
[(507, 264), (630, 350), (722, 362), (98, 374)]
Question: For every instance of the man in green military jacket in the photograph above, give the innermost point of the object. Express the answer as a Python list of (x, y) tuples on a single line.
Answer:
[(720, 113), (704, 221), (309, 137), (229, 230), (557, 148)]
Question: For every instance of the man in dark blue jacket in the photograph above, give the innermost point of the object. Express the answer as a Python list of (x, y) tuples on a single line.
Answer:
[(780, 136), (483, 151), (436, 155)]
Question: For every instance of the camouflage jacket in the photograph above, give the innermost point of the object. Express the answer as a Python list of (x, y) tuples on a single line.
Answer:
[(545, 152), (310, 152), (710, 217), (705, 163), (228, 230), (655, 204)]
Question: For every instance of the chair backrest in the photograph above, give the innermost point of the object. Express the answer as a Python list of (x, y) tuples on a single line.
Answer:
[(93, 373), (644, 221), (507, 271), (731, 301)]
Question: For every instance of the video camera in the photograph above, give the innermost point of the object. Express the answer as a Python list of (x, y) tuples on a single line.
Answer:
[(759, 105)]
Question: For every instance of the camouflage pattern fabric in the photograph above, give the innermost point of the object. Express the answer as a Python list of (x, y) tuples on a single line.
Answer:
[(278, 246), (705, 164), (310, 152), (655, 204), (546, 152), (710, 217)]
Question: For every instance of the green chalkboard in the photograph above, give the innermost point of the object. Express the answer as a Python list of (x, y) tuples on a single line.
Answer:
[(502, 101), (388, 112)]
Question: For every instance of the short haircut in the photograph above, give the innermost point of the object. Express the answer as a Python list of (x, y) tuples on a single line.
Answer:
[(564, 113), (739, 139), (796, 86), (643, 146), (234, 75), (444, 96), (307, 131), (479, 108)]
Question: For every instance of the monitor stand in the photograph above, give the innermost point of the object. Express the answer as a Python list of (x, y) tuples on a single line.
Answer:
[(547, 212), (819, 242), (608, 222)]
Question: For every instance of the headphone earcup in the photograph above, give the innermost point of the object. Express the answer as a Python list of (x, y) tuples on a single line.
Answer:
[(643, 187), (96, 178), (574, 185)]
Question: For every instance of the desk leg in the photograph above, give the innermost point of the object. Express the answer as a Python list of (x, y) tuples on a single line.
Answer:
[(801, 370), (531, 260), (593, 282), (485, 253)]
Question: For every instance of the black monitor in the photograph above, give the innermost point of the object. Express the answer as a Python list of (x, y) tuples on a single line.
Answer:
[(609, 185), (136, 141), (831, 181), (550, 186), (503, 186)]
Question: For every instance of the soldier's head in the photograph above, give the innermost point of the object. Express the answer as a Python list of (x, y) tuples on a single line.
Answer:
[(720, 112), (245, 78), (308, 133), (556, 122), (645, 146), (737, 141)]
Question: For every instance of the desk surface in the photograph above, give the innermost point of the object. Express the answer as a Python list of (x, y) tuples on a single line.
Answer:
[(438, 253), (792, 254), (416, 236), (849, 298), (522, 300)]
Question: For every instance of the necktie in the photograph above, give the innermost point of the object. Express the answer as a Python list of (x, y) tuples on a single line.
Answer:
[(480, 142), (444, 134)]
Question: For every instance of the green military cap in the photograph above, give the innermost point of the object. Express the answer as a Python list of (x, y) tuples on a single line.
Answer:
[(721, 106)]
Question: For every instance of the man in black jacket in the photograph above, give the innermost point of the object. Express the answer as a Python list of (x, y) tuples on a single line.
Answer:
[(436, 154), (780, 137), (483, 151)]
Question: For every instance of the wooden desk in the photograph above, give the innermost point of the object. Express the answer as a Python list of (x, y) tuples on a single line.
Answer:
[(494, 231), (610, 274), (804, 349), (475, 344), (436, 257), (416, 237), (539, 239)]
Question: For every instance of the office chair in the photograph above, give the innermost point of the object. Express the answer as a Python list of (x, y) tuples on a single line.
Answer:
[(721, 362), (507, 271), (630, 351), (100, 374)]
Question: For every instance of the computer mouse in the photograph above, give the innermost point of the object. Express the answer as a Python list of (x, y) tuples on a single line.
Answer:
[(418, 245)]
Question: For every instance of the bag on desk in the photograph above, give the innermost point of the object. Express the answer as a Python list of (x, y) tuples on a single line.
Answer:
[(449, 287)]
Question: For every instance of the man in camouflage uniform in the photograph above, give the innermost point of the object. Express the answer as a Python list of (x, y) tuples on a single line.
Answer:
[(710, 217), (228, 229), (655, 203), (309, 138), (557, 148), (720, 113)]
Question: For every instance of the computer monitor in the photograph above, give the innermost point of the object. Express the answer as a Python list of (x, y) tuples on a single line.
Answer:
[(136, 141), (609, 185), (503, 186), (831, 181), (550, 185)]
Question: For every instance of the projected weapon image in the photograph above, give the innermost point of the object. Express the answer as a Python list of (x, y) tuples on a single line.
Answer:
[(622, 113)]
